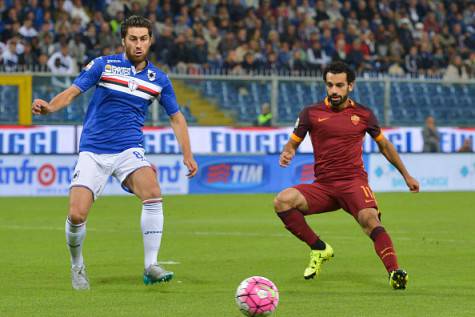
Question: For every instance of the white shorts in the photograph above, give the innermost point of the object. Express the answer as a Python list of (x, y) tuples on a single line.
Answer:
[(93, 170)]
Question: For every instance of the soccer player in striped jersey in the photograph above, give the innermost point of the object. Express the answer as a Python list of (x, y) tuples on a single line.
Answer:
[(336, 127), (112, 142)]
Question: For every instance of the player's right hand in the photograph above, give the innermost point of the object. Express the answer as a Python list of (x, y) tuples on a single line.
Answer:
[(412, 183), (40, 106), (285, 158)]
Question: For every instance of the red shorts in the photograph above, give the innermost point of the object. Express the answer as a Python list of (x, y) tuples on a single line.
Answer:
[(350, 195)]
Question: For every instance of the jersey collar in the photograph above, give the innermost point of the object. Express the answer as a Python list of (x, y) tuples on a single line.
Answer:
[(351, 103), (124, 57)]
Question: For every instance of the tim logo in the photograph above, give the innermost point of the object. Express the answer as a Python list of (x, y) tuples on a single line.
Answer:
[(233, 175)]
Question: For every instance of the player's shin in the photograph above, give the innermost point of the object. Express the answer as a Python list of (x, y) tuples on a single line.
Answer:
[(75, 234), (152, 226), (294, 221), (384, 248)]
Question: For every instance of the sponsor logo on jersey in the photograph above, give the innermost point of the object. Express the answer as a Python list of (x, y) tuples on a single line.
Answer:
[(117, 70), (114, 61), (355, 119)]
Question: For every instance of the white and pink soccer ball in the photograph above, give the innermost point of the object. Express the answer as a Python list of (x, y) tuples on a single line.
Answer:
[(257, 296)]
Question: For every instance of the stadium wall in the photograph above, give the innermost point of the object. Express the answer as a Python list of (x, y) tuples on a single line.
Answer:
[(50, 175), (213, 140)]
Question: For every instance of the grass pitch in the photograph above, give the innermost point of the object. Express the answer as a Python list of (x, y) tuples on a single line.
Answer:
[(213, 242)]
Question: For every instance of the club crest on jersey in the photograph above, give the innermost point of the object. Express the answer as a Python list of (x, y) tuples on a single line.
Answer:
[(133, 85), (355, 119), (151, 75)]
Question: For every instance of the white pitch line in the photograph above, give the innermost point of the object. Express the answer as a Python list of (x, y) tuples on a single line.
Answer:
[(168, 262), (227, 233)]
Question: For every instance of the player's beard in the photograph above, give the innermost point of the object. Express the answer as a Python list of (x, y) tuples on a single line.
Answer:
[(337, 102), (134, 59)]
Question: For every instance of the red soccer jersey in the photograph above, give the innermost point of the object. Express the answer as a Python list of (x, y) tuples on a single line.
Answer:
[(337, 138)]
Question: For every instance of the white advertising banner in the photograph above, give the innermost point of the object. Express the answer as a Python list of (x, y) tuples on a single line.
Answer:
[(37, 139), (50, 175), (206, 140), (435, 172), (213, 140)]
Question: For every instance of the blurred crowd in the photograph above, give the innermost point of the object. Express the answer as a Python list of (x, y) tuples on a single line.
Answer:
[(432, 38)]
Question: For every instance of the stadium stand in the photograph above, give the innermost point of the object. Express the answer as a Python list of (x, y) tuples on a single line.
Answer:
[(402, 39)]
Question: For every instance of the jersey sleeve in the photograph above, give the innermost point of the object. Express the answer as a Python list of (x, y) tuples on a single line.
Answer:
[(90, 75), (373, 129), (302, 126), (168, 98)]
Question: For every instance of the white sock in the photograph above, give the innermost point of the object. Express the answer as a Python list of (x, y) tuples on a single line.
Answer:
[(152, 226), (75, 235)]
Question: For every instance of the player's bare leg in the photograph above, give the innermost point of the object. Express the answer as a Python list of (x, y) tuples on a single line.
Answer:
[(369, 221), (80, 202), (143, 183), (290, 205)]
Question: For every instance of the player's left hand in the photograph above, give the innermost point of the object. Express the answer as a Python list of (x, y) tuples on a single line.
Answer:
[(412, 183), (192, 166)]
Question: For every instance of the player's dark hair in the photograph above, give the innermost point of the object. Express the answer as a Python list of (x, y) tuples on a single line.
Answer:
[(338, 68), (135, 21)]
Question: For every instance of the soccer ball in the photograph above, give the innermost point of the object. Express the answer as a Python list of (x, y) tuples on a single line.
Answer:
[(257, 296)]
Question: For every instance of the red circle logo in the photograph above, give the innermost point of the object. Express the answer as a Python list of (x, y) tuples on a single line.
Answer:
[(46, 174)]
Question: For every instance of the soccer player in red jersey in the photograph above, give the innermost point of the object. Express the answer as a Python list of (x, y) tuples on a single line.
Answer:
[(337, 127)]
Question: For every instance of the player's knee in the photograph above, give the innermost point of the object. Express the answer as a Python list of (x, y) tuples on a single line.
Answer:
[(149, 193), (368, 219), (284, 200), (77, 216)]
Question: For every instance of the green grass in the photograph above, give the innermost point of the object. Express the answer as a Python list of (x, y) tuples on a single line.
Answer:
[(219, 240)]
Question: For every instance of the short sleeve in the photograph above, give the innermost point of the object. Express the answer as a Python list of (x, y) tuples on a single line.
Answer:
[(168, 98), (302, 126), (373, 129), (90, 75)]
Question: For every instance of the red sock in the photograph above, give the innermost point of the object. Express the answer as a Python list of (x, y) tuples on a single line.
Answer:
[(384, 248), (295, 222)]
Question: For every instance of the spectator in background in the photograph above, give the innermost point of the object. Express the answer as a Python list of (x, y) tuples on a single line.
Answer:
[(46, 44), (28, 58), (42, 65), (456, 70), (27, 30), (430, 136), (410, 61), (61, 62), (395, 69), (317, 58), (10, 57), (264, 119), (77, 50), (466, 146)]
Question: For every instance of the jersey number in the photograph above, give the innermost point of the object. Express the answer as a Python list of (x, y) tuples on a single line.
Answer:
[(138, 155), (368, 194)]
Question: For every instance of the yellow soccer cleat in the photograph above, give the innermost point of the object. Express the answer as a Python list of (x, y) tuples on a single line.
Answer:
[(398, 279), (317, 257)]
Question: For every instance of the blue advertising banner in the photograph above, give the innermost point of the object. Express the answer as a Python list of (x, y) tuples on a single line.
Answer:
[(251, 174)]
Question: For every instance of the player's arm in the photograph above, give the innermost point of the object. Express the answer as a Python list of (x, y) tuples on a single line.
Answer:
[(288, 152), (302, 126), (60, 101), (180, 128), (390, 153)]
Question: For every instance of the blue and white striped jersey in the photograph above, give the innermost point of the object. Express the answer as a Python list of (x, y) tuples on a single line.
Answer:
[(117, 110)]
